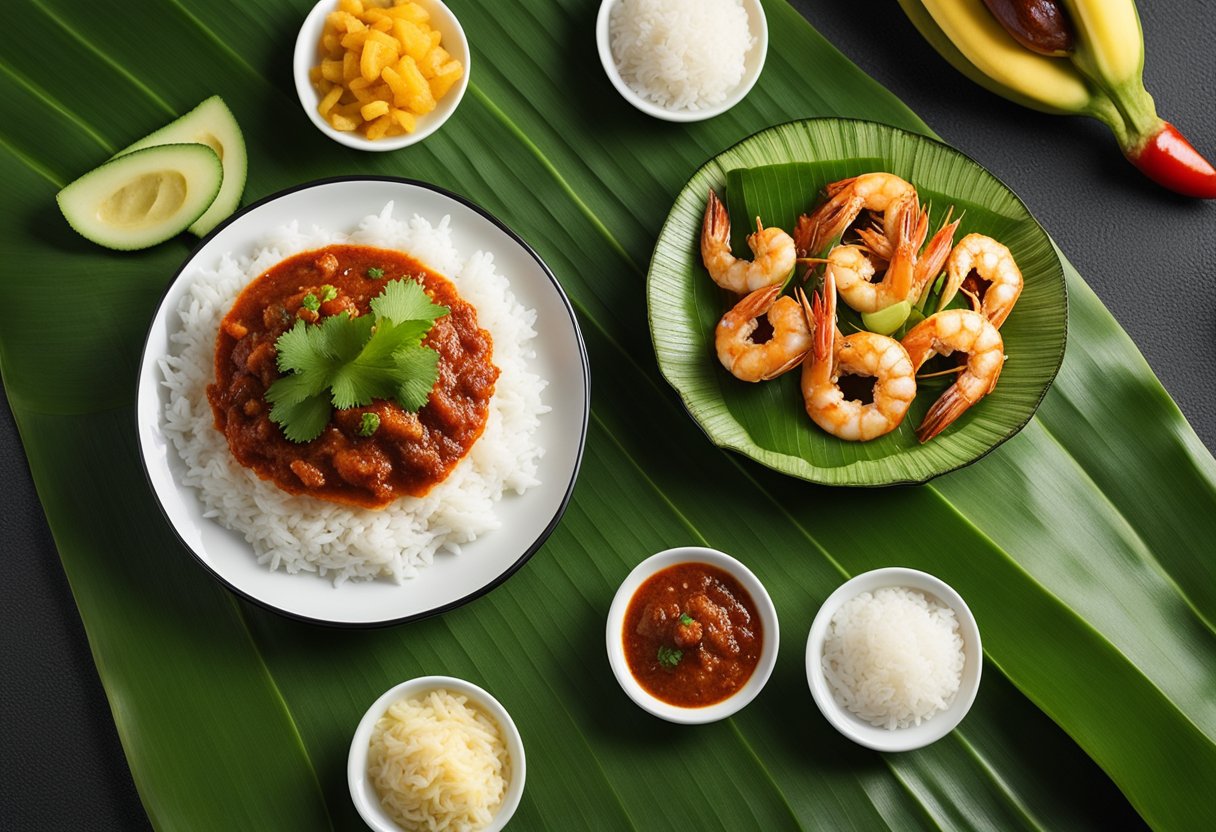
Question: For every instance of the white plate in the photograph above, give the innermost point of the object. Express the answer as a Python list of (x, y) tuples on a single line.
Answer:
[(561, 359)]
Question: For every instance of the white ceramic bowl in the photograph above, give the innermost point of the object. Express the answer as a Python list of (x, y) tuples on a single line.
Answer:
[(753, 64), (307, 55), (614, 635), (930, 730), (363, 793)]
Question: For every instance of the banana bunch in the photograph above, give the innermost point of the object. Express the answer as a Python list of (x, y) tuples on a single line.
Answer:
[(1083, 57)]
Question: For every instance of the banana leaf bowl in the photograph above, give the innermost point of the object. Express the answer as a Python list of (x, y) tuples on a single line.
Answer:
[(776, 174)]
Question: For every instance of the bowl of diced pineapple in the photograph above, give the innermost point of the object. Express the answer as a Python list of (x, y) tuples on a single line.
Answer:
[(380, 74)]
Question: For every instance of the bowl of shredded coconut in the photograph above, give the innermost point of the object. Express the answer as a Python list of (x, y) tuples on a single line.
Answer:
[(682, 60)]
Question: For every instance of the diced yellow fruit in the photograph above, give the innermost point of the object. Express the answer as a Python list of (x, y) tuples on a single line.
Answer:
[(314, 74), (383, 24), (330, 99), (418, 97), (414, 41), (347, 22), (405, 119), (354, 40), (351, 6), (331, 42), (435, 37), (350, 66), (385, 40), (410, 11), (400, 91), (447, 77), (332, 71), (373, 110), (378, 128), (372, 60), (432, 61), (341, 122)]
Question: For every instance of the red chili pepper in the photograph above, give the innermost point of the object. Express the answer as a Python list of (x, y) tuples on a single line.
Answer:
[(1168, 159)]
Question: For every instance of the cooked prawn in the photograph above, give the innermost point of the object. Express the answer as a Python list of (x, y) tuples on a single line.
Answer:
[(929, 262), (863, 354), (993, 264), (789, 344), (943, 333), (846, 199), (773, 248), (853, 271)]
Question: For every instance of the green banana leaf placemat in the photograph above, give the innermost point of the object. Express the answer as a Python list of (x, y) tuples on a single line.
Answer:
[(1081, 544)]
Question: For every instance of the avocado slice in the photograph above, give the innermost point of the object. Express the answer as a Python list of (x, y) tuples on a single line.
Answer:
[(210, 123), (144, 197)]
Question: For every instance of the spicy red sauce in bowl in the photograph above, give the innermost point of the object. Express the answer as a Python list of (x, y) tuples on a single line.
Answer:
[(692, 635)]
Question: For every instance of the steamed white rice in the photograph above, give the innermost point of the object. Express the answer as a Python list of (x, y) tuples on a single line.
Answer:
[(304, 534), (680, 54), (893, 657)]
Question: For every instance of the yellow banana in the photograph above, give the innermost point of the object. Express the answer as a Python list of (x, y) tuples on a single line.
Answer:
[(1102, 77), (976, 44), (1110, 45)]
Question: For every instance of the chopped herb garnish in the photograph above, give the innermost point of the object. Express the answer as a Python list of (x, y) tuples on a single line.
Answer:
[(375, 273), (328, 293), (347, 362), (669, 657), (310, 302), (369, 424), (686, 619)]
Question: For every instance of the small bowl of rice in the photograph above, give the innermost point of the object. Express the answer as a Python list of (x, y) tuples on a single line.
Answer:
[(436, 752), (894, 658), (682, 60)]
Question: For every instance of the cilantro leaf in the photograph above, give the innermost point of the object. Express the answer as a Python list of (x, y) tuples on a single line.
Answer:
[(405, 300), (417, 372), (375, 273), (328, 293), (669, 657), (686, 619), (357, 359), (303, 420), (310, 302)]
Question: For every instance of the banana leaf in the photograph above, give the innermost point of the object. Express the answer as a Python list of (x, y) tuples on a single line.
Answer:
[(1082, 544)]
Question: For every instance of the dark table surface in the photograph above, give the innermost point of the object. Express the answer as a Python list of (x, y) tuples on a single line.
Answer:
[(1150, 256)]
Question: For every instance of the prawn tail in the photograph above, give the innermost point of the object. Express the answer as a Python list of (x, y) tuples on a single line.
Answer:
[(823, 313), (806, 230), (933, 260), (942, 414), (793, 362), (716, 223), (836, 187), (876, 242), (755, 304)]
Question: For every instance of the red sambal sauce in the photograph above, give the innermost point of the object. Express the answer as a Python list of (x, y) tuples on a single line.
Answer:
[(692, 635), (409, 453)]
